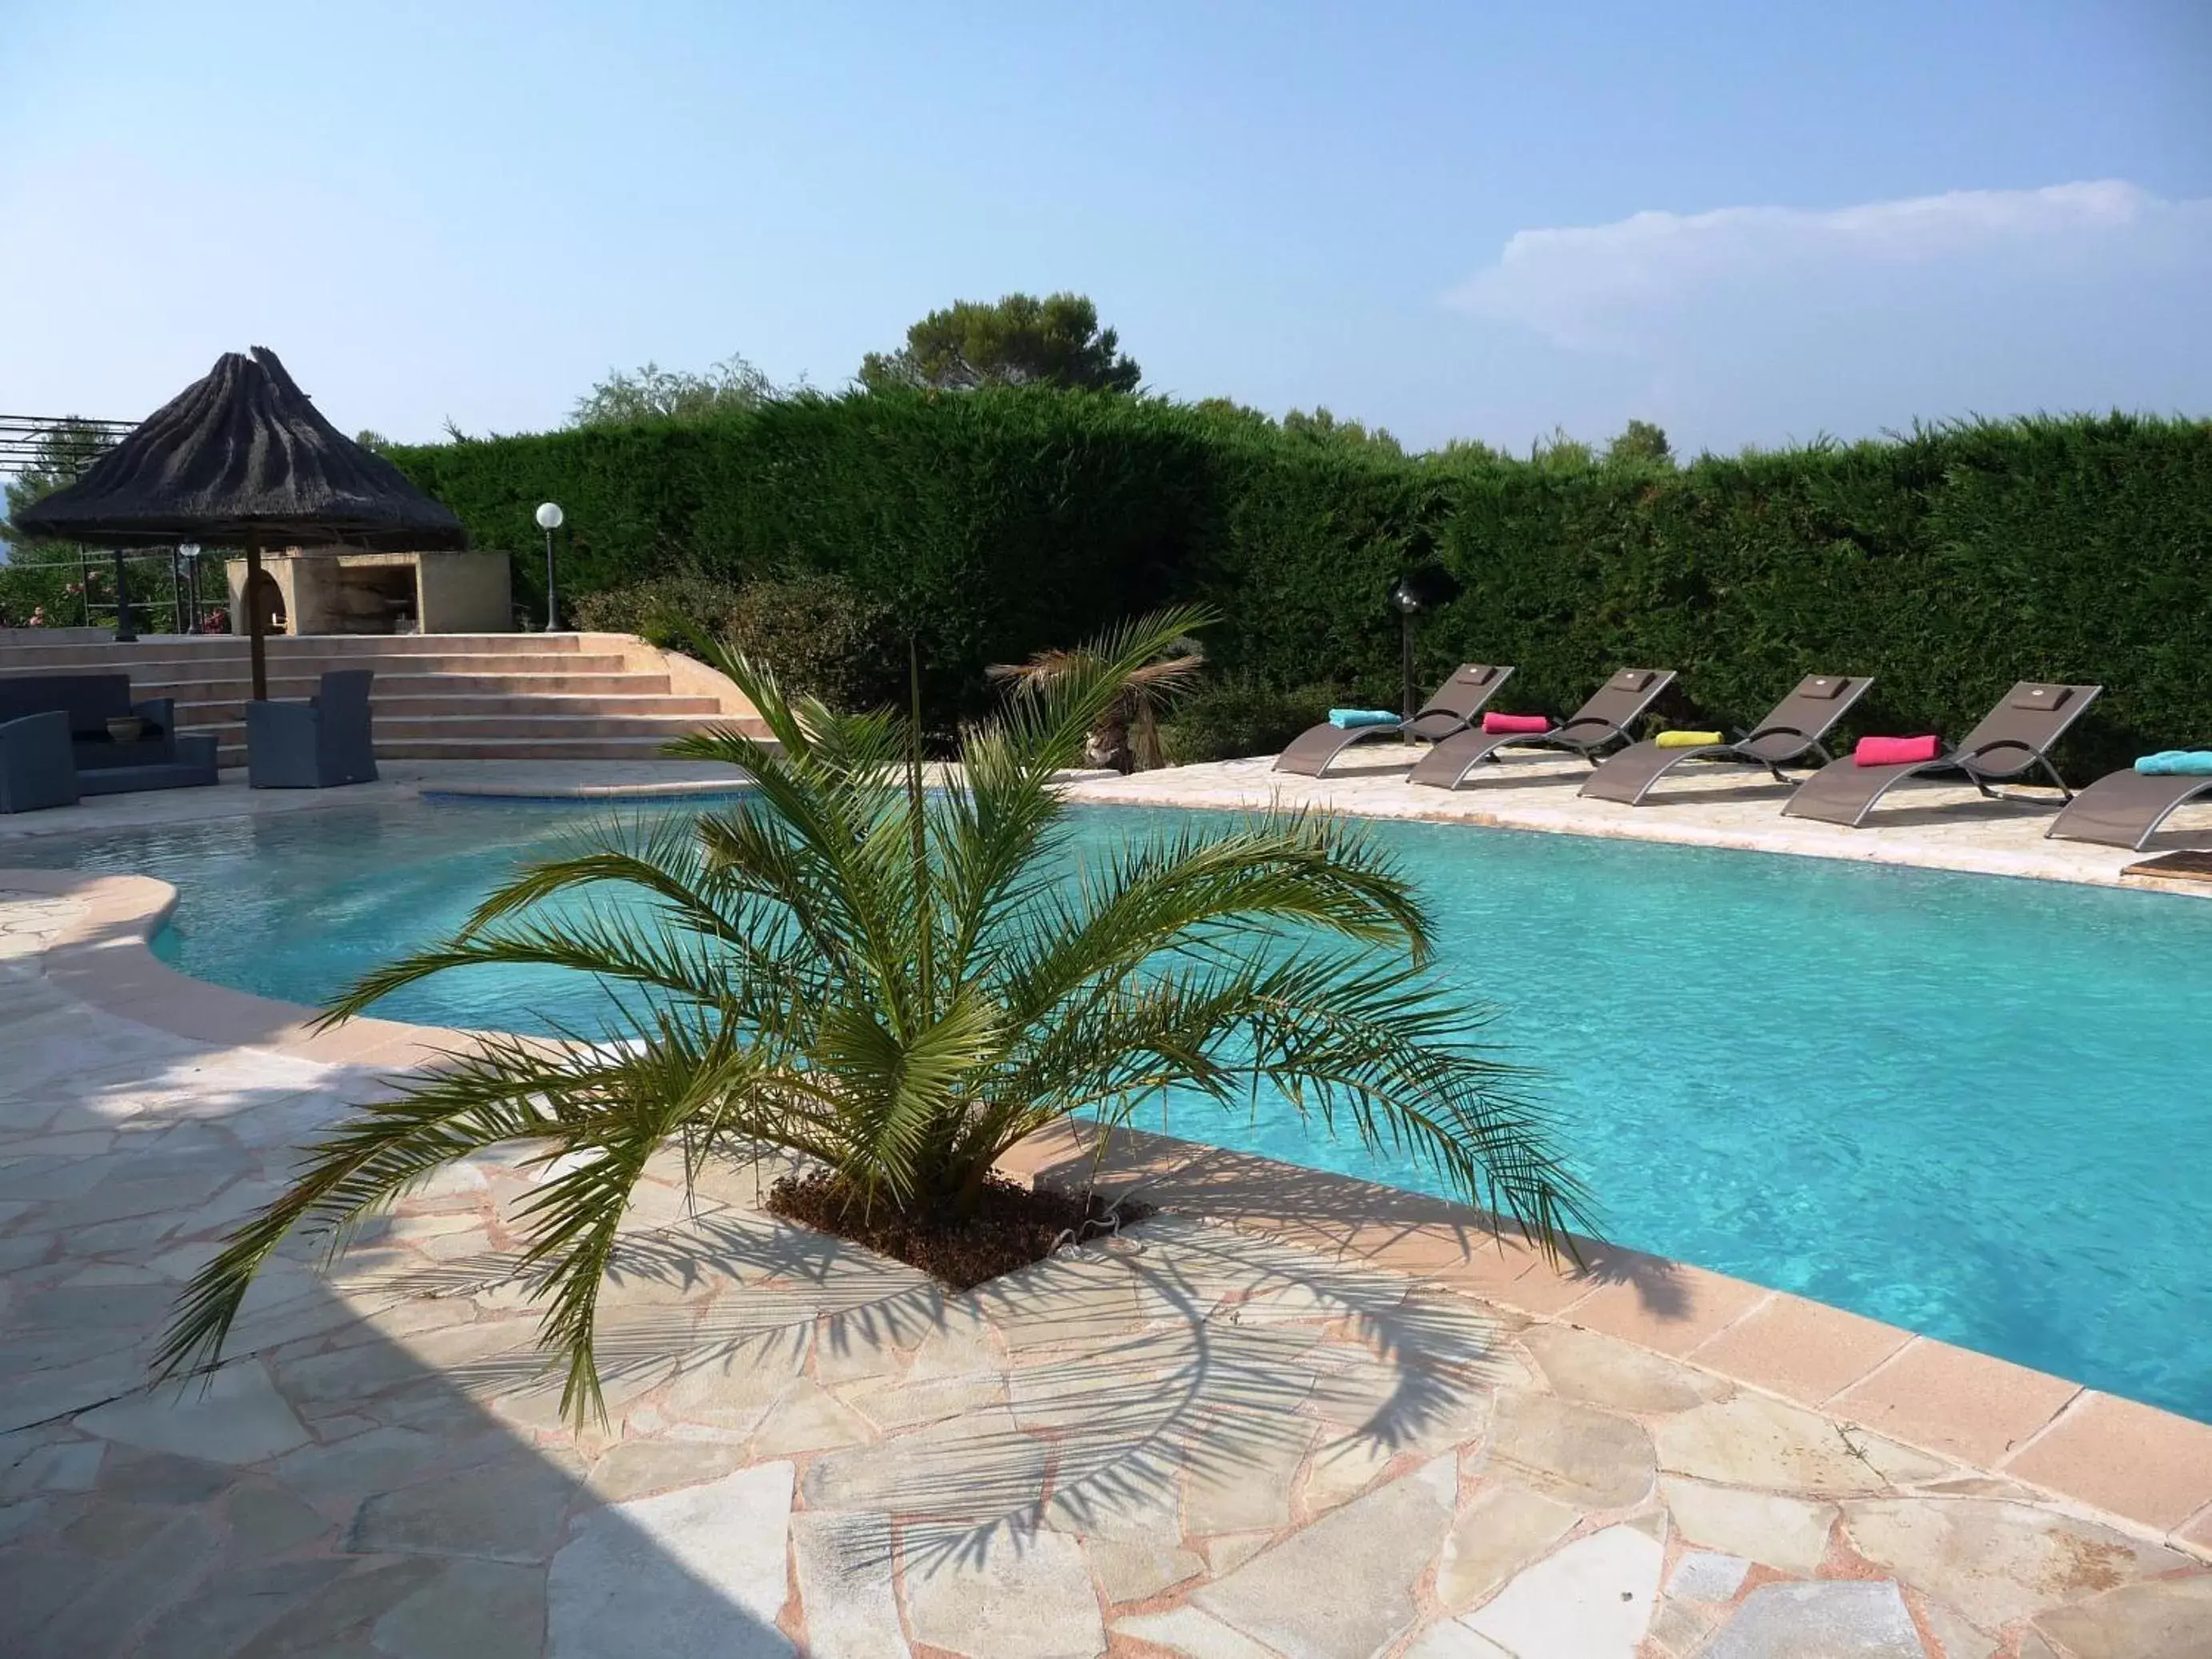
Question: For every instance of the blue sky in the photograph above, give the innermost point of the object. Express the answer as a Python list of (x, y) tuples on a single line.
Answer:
[(1753, 223)]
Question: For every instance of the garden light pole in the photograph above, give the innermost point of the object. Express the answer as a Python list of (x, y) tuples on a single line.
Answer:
[(190, 553), (1405, 601), (549, 520)]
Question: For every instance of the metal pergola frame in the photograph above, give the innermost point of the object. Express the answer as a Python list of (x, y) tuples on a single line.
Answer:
[(26, 444), (23, 438)]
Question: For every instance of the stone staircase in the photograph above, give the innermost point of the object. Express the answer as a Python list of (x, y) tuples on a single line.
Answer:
[(436, 696)]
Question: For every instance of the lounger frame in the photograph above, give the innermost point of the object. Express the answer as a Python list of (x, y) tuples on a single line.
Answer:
[(2126, 809), (2012, 742), (1599, 724), (1794, 728), (1457, 701)]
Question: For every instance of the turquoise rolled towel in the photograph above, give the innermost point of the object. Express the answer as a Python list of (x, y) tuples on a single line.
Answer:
[(1345, 719), (2177, 763)]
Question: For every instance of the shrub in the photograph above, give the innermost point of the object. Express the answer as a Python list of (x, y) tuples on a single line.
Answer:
[(819, 634), (29, 591), (1231, 720)]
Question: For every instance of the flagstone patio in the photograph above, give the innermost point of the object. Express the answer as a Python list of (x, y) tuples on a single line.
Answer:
[(1192, 1439)]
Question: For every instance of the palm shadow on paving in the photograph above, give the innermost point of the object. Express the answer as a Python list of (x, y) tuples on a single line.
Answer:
[(1174, 1367), (1347, 1219)]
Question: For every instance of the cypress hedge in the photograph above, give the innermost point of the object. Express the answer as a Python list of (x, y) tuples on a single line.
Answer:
[(1947, 562)]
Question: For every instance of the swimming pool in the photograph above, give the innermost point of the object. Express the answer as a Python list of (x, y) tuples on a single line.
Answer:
[(1973, 1107)]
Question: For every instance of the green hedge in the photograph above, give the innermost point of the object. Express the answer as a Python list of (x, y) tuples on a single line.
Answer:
[(1947, 563)]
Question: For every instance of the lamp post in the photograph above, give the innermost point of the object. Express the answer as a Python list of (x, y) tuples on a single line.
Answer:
[(1405, 601), (549, 520), (190, 552)]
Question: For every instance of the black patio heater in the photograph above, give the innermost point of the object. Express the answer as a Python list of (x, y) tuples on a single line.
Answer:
[(243, 458)]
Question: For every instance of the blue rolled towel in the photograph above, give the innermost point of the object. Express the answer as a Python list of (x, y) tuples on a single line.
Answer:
[(2177, 763), (1343, 720)]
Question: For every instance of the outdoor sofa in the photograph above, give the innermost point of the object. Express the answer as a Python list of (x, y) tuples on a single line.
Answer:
[(56, 745)]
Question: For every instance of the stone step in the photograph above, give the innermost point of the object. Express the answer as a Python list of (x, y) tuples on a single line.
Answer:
[(339, 649), (195, 713), (660, 728), (465, 686), (492, 748), (189, 671), (454, 696), (406, 737), (330, 645)]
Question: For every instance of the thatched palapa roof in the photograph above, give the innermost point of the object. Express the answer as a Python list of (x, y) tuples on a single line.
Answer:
[(243, 454)]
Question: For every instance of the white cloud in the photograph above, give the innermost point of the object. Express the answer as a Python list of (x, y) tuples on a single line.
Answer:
[(1617, 286)]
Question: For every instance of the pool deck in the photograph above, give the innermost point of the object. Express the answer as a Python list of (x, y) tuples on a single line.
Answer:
[(1930, 825), (1293, 1415)]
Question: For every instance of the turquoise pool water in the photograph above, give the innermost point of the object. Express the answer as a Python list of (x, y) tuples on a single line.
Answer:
[(1973, 1107)]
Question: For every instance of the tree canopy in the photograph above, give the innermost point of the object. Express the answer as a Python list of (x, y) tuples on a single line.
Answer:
[(1642, 441), (1323, 427), (1019, 340), (65, 449), (654, 393)]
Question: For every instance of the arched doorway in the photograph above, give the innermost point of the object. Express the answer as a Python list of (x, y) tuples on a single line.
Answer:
[(266, 601)]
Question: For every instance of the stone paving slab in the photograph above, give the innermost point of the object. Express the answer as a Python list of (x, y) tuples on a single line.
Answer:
[(1201, 1438)]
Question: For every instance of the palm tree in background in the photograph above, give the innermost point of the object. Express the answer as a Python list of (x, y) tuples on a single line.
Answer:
[(1128, 735), (900, 982)]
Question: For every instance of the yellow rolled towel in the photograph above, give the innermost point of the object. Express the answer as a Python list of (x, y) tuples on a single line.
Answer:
[(1687, 740)]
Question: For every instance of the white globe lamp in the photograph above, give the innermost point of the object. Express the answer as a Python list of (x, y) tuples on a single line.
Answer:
[(549, 520)]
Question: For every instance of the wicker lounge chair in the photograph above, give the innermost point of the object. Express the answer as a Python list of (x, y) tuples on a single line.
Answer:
[(1458, 700), (1793, 731), (2014, 740), (2125, 809), (320, 743), (1598, 725)]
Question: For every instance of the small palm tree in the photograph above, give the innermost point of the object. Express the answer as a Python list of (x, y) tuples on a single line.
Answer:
[(1127, 734), (900, 983)]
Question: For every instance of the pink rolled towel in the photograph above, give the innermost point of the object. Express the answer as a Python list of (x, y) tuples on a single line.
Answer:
[(1521, 723), (1896, 751)]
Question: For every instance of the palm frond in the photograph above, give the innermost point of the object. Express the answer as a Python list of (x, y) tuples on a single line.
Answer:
[(900, 983)]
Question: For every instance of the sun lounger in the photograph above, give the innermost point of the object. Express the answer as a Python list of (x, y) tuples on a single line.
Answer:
[(1457, 701), (1599, 724), (2126, 808), (1793, 731), (2015, 739)]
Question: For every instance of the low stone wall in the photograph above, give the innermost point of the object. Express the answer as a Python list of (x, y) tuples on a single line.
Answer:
[(54, 636)]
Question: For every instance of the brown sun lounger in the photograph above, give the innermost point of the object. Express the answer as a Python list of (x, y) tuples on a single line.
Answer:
[(1458, 700), (1793, 731), (2125, 809), (2014, 740), (1599, 724)]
